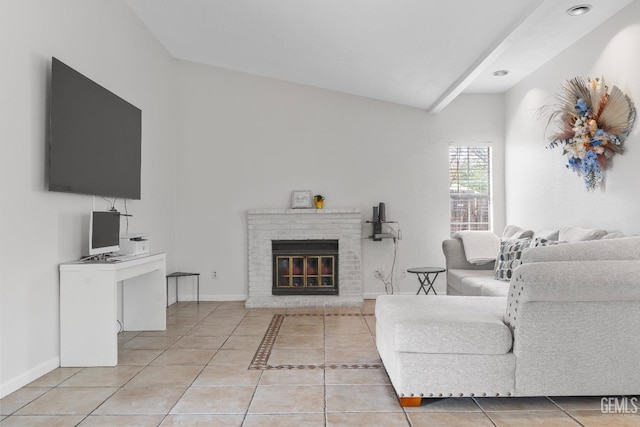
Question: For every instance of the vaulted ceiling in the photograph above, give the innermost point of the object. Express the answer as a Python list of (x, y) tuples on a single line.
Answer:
[(421, 53)]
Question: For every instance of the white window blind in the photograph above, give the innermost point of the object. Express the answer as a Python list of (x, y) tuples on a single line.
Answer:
[(469, 188)]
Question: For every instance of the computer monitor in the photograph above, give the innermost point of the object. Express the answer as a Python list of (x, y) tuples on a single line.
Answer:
[(104, 232)]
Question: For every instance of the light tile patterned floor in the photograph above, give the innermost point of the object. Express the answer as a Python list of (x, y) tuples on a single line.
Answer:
[(220, 364)]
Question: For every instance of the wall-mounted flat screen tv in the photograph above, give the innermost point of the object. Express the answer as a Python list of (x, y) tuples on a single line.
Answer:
[(94, 138)]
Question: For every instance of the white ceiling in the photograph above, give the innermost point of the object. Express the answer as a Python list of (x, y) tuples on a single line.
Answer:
[(421, 53)]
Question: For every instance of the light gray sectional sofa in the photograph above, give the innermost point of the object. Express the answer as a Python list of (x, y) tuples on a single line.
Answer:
[(568, 326), (465, 278)]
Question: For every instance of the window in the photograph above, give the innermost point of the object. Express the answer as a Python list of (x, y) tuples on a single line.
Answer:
[(469, 188)]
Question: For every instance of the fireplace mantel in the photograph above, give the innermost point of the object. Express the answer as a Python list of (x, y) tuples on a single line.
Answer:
[(266, 225)]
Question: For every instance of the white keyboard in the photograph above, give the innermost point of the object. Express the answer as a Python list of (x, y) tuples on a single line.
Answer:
[(120, 258)]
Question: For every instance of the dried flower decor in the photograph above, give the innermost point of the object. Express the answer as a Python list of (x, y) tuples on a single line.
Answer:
[(593, 123)]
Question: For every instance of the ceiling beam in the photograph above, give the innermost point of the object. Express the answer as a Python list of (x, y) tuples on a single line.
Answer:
[(505, 43)]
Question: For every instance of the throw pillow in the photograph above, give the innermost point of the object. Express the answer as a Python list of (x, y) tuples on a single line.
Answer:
[(509, 257), (515, 232), (614, 235), (522, 234), (575, 234), (541, 241), (547, 234)]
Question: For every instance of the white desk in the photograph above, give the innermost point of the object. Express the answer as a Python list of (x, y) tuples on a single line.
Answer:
[(89, 306)]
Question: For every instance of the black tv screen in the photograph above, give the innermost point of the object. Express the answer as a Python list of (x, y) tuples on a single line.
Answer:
[(94, 138)]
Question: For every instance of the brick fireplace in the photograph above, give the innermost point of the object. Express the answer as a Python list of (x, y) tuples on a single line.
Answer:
[(266, 226)]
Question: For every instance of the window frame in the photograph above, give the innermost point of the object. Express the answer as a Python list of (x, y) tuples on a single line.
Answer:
[(472, 225)]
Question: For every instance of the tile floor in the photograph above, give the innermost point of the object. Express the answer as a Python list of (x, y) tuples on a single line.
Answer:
[(320, 369)]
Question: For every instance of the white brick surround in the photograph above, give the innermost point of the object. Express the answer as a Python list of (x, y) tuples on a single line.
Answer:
[(266, 225)]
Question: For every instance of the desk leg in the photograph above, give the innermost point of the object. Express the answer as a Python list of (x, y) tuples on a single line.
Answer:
[(88, 319), (142, 302)]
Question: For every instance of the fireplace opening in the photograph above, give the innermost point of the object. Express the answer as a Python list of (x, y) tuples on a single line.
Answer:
[(305, 267)]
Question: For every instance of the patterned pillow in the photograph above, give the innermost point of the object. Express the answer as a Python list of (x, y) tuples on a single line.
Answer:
[(541, 241), (509, 257)]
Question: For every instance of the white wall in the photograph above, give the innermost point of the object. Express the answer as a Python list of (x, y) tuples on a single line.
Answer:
[(105, 41), (472, 119), (215, 144), (541, 192), (247, 142)]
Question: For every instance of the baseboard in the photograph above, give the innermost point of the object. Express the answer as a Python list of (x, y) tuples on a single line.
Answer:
[(375, 295), (238, 297), (25, 378), (232, 297), (243, 297)]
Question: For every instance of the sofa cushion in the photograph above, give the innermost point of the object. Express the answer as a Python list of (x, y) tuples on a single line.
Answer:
[(574, 234), (509, 257), (444, 324), (455, 277), (495, 288), (485, 286)]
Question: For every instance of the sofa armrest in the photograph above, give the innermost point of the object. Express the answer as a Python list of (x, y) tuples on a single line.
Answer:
[(606, 280), (574, 325), (627, 248), (456, 258)]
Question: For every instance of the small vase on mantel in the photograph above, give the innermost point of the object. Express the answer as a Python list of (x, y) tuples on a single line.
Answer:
[(318, 200)]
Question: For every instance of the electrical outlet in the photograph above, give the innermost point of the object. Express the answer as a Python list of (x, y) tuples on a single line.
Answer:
[(214, 274)]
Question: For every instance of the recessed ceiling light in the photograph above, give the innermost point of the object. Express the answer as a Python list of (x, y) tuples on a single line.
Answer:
[(579, 10), (500, 73)]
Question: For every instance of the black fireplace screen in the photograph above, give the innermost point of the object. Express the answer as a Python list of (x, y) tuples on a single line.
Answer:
[(305, 267)]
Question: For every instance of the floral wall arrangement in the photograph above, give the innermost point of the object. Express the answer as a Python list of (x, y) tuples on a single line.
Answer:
[(593, 122)]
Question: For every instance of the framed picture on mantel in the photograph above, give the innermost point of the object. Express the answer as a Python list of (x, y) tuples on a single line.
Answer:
[(301, 199)]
